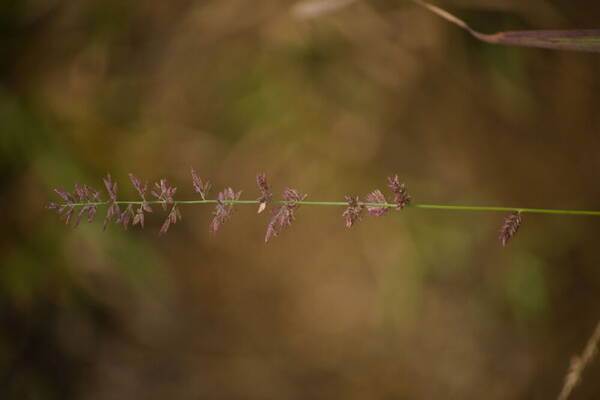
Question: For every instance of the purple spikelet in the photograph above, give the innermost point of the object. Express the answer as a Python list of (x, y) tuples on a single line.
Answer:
[(113, 208), (261, 181), (87, 194), (142, 188), (223, 209), (510, 227), (164, 192), (200, 187), (66, 196), (65, 211), (284, 215), (401, 196), (81, 194), (354, 210), (139, 186), (172, 218), (125, 217), (376, 197)]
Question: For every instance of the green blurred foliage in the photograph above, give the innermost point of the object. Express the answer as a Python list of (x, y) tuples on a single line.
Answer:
[(419, 304)]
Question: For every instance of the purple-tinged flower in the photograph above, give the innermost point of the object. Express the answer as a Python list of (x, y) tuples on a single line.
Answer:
[(292, 197), (223, 209), (139, 217), (112, 212), (376, 197), (67, 214), (261, 181), (111, 187), (141, 188), (284, 215), (401, 196), (510, 227), (201, 187), (81, 194), (86, 194), (125, 217), (164, 192), (90, 209), (113, 207), (66, 196), (354, 210), (92, 194), (172, 218)]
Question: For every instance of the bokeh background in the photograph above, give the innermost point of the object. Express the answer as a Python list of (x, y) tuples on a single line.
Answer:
[(416, 305)]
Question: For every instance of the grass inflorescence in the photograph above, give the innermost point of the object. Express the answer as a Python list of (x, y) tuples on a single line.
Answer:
[(85, 200)]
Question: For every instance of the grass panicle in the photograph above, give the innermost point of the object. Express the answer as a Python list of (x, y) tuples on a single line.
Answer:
[(85, 200)]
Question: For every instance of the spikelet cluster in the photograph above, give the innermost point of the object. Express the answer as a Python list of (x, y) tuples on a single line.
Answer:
[(84, 200), (510, 227)]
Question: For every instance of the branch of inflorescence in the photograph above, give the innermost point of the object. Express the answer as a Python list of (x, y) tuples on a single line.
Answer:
[(86, 201), (345, 204)]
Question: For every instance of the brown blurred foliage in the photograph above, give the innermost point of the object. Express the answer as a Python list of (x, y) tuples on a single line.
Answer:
[(414, 305)]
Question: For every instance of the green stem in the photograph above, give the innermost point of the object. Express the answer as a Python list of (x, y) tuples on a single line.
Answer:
[(388, 205)]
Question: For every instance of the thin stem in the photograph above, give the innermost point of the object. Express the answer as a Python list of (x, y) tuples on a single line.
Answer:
[(579, 363), (344, 204)]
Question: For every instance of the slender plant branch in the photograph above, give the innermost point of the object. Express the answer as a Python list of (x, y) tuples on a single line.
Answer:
[(570, 39), (345, 204), (85, 200), (578, 364)]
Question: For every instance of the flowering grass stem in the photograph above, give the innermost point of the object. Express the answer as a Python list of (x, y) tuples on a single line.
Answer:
[(85, 200), (345, 204)]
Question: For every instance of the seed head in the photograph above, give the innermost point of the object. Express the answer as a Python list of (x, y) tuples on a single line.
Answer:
[(263, 186), (113, 208), (164, 192), (401, 196), (284, 215), (223, 209), (510, 227), (354, 210), (139, 186), (200, 187), (81, 194), (142, 188), (376, 197), (125, 217), (172, 218), (111, 187)]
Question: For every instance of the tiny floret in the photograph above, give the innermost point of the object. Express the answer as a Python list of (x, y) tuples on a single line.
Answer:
[(354, 210), (142, 188), (284, 215), (84, 196), (172, 218), (263, 186), (113, 207), (376, 197), (401, 196), (224, 208), (164, 192), (510, 227), (202, 187)]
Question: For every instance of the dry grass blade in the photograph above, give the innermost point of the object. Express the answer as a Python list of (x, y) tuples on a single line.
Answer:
[(575, 39), (579, 363), (571, 39)]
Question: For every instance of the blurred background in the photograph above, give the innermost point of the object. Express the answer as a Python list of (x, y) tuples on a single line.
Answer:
[(414, 305)]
